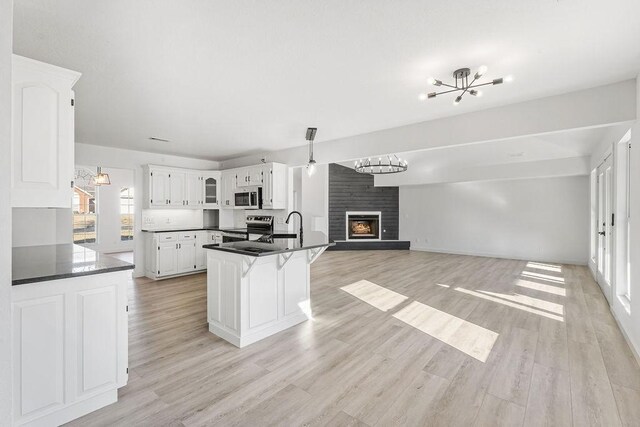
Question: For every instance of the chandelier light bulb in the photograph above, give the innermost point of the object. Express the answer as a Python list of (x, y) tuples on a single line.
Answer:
[(482, 70), (508, 79), (457, 100), (311, 169), (422, 96), (431, 81)]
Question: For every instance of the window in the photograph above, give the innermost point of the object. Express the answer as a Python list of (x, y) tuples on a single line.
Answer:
[(84, 207), (623, 220), (126, 213)]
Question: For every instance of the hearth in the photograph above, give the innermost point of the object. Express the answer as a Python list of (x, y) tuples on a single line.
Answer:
[(363, 226)]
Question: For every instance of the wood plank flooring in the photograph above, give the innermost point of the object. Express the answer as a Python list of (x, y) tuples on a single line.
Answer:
[(517, 343)]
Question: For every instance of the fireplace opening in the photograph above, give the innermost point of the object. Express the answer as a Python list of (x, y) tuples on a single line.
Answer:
[(363, 226)]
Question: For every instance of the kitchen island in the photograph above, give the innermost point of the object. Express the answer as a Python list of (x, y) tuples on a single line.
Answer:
[(258, 288)]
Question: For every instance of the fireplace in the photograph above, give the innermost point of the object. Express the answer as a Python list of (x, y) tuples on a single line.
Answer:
[(363, 226)]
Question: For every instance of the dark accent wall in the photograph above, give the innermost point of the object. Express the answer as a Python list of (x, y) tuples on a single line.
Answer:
[(353, 191)]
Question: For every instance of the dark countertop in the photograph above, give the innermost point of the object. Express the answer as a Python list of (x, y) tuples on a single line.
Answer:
[(276, 245), (50, 262), (229, 229)]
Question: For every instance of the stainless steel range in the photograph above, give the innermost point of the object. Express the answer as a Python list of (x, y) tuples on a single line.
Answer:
[(259, 225)]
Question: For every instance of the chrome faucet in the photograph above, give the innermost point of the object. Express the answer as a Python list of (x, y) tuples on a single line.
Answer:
[(287, 221)]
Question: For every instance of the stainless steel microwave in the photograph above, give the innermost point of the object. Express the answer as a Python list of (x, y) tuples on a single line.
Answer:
[(249, 198)]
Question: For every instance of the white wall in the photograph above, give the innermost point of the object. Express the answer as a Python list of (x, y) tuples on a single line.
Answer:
[(315, 199), (6, 32), (109, 211), (32, 227), (542, 219)]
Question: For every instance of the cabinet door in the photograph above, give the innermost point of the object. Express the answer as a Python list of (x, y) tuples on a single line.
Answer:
[(254, 175), (243, 178), (177, 188), (228, 190), (97, 318), (159, 191), (194, 190), (211, 190), (186, 256), (38, 352), (167, 259), (202, 238), (43, 135), (267, 187)]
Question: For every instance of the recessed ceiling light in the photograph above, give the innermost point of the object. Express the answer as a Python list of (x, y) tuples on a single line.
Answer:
[(518, 154), (153, 138)]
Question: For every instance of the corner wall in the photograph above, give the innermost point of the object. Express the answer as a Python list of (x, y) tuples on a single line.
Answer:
[(6, 32), (353, 191), (543, 219)]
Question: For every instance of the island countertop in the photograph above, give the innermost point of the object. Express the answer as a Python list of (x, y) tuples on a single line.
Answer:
[(50, 262), (275, 244)]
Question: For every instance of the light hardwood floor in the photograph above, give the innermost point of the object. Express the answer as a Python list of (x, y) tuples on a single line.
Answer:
[(425, 339)]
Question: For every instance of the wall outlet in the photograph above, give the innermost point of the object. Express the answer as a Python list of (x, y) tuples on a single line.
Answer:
[(279, 220)]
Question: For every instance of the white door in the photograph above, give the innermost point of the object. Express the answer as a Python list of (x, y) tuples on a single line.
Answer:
[(167, 259), (605, 225), (177, 185), (159, 194), (186, 256), (43, 135), (194, 190)]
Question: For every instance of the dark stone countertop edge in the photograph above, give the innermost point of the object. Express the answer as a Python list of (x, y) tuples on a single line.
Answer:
[(264, 254), (178, 230), (70, 275)]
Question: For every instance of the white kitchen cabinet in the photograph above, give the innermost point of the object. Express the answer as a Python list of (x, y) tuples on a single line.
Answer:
[(274, 187), (202, 238), (228, 189), (159, 187), (178, 188), (70, 351), (249, 177), (167, 259), (187, 253), (43, 134), (211, 189), (194, 189)]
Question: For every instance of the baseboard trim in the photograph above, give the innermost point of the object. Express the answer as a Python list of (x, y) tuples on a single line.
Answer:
[(495, 255)]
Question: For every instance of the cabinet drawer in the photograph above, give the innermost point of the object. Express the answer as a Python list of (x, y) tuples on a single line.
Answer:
[(187, 236), (162, 237)]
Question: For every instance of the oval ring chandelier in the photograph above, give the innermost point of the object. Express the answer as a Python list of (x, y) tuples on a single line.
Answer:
[(384, 165)]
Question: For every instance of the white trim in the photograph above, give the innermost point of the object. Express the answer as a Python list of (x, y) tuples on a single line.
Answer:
[(497, 255), (346, 220)]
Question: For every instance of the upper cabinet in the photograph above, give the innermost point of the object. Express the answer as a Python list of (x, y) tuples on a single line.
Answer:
[(42, 146), (211, 189), (190, 189)]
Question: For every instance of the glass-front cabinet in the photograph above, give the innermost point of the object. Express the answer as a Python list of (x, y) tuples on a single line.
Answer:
[(211, 190)]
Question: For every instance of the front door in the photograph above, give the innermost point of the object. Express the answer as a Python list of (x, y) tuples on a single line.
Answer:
[(605, 226)]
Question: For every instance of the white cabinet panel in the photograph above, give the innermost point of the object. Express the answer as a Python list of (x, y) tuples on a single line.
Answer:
[(186, 257), (296, 291), (42, 142), (262, 296), (228, 189), (167, 259), (159, 188), (202, 238), (223, 301), (38, 346), (194, 196), (97, 346), (177, 184)]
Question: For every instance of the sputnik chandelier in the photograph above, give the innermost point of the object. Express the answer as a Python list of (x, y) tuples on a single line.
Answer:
[(462, 84), (383, 165)]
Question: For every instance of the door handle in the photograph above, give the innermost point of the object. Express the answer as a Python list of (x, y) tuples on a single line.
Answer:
[(602, 233)]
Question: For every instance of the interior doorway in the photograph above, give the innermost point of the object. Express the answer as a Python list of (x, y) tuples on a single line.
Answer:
[(605, 223)]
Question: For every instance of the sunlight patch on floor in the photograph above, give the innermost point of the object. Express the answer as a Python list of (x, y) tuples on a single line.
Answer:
[(543, 288), (511, 304), (467, 337), (381, 298), (540, 276), (544, 266), (530, 301)]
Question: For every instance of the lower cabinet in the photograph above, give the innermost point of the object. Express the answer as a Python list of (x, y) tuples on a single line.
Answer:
[(177, 253), (69, 347)]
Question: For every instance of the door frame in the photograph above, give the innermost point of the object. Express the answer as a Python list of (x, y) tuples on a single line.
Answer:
[(605, 216)]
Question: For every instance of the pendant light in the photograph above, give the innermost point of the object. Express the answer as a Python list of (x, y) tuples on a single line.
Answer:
[(311, 165), (101, 178)]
